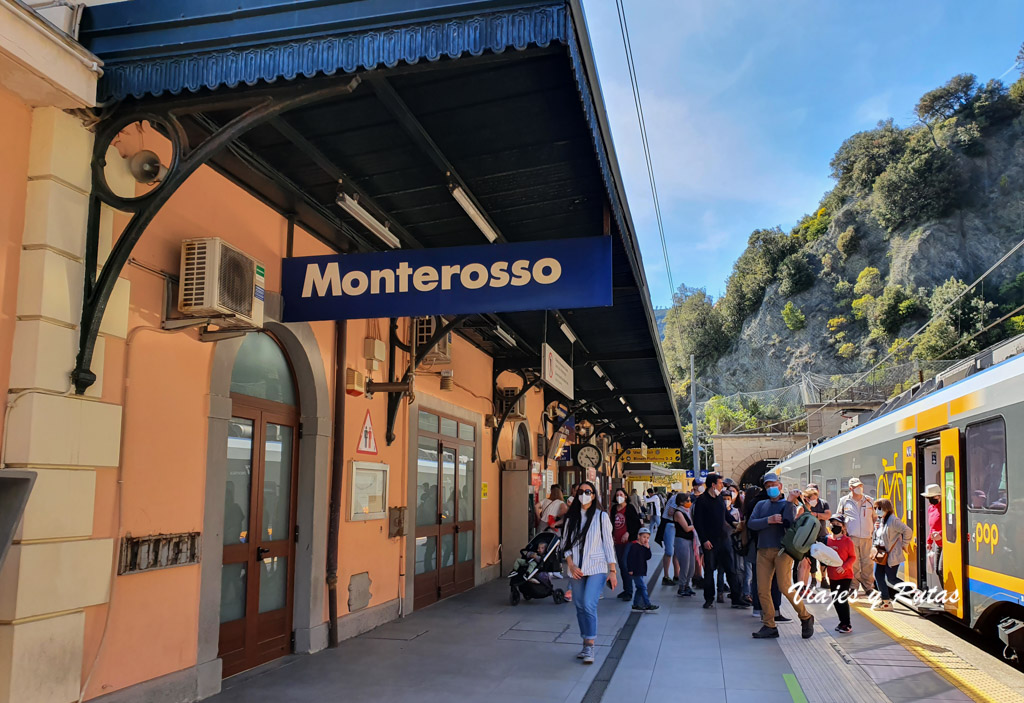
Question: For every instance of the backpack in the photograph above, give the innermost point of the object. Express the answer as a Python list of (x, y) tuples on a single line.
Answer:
[(801, 535)]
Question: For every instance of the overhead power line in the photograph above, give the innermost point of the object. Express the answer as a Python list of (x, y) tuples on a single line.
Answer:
[(623, 27)]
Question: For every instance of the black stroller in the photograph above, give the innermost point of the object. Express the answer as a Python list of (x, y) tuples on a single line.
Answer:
[(529, 578)]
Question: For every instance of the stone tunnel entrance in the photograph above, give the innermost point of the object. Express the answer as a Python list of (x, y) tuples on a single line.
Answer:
[(746, 457)]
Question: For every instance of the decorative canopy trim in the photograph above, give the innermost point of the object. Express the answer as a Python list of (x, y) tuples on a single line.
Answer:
[(368, 49)]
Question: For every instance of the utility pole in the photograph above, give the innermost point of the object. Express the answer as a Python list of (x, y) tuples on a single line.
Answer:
[(693, 417)]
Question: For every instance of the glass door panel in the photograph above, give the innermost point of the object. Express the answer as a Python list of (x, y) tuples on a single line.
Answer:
[(239, 481), (466, 483), (447, 485), (447, 550), (426, 481), (465, 546), (277, 481), (273, 584), (232, 592)]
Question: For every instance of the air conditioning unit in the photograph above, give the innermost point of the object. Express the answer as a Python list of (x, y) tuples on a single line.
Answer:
[(218, 280), (440, 354), (517, 409)]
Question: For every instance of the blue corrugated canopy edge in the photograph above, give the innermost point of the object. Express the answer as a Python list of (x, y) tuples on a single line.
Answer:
[(151, 47)]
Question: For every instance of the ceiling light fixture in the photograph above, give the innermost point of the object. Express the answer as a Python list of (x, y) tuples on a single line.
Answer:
[(598, 371), (463, 199), (568, 333), (505, 336), (380, 229), (611, 386), (622, 400)]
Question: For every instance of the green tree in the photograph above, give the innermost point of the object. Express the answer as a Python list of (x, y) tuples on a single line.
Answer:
[(753, 271), (937, 338), (894, 307), (693, 326), (847, 350), (793, 317), (795, 275), (869, 282), (923, 184), (848, 242), (947, 100), (864, 307), (864, 157), (1015, 325)]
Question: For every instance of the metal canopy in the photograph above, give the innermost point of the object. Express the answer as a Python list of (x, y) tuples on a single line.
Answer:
[(497, 97)]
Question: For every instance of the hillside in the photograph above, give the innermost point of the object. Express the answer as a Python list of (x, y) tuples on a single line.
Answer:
[(916, 214)]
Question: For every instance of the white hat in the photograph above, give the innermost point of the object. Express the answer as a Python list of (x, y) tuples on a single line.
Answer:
[(932, 490), (853, 482)]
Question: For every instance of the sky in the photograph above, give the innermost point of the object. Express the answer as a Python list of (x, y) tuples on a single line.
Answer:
[(746, 102)]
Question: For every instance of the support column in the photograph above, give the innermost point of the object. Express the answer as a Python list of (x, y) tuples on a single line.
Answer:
[(57, 567)]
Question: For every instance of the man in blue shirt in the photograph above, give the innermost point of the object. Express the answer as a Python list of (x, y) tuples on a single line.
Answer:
[(770, 519)]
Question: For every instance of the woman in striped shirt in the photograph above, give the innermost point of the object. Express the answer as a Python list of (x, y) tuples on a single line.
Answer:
[(590, 556)]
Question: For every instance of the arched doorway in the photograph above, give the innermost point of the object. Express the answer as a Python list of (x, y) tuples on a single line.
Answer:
[(258, 572), (752, 476)]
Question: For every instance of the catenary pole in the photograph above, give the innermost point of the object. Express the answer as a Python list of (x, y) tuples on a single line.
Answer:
[(693, 417)]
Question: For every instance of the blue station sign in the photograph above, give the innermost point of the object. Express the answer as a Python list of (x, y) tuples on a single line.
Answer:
[(568, 273)]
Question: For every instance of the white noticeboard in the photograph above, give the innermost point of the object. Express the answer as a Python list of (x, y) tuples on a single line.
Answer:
[(555, 372)]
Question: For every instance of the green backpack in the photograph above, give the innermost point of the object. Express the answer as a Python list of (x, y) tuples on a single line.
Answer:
[(801, 535)]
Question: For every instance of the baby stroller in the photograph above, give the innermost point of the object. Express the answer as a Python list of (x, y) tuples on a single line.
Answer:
[(529, 577)]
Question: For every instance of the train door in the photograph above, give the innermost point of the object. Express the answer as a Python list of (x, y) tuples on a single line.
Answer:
[(914, 573), (952, 521), (927, 471)]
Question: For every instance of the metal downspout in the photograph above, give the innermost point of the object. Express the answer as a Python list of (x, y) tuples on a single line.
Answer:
[(337, 471)]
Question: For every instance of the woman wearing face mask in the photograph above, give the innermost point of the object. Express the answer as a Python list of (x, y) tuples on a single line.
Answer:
[(590, 557), (625, 525), (933, 494), (685, 537), (840, 577), (891, 537)]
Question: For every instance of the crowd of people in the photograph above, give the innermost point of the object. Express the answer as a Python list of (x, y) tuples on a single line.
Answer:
[(724, 543)]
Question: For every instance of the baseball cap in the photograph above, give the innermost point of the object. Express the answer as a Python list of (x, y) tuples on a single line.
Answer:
[(770, 477), (698, 481), (728, 482), (853, 482), (644, 531)]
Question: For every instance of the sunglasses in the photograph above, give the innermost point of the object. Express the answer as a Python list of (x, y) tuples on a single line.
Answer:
[(586, 492)]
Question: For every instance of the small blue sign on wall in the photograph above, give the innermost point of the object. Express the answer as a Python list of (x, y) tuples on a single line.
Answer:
[(689, 473), (568, 273)]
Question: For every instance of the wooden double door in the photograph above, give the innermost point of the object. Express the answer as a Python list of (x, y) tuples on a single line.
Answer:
[(445, 519), (257, 577)]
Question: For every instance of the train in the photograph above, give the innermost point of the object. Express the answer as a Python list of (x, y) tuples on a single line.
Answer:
[(963, 430)]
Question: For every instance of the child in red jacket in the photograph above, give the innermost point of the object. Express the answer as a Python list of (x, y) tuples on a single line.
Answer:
[(839, 577)]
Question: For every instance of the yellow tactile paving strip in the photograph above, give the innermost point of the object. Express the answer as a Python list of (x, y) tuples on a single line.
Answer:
[(974, 682)]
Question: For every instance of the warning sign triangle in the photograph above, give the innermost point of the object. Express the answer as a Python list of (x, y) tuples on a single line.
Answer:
[(367, 438)]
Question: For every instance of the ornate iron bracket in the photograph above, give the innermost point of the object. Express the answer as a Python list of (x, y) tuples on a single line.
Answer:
[(184, 161), (395, 397)]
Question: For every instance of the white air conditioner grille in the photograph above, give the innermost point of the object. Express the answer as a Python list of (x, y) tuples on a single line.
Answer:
[(236, 281), (194, 274)]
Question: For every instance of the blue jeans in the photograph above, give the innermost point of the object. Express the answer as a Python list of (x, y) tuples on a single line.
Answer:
[(669, 540), (640, 584), (585, 593), (886, 579), (655, 521)]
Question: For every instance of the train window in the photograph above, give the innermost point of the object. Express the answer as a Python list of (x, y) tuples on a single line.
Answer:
[(870, 482), (816, 478), (986, 466), (832, 492), (803, 480)]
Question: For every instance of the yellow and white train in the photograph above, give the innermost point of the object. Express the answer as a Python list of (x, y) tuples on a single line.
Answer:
[(963, 430)]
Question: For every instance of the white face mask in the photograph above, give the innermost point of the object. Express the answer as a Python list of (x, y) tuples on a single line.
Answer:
[(620, 499), (728, 503), (858, 491), (880, 513), (700, 489), (585, 499)]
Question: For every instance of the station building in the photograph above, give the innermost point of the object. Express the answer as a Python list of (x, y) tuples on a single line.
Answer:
[(212, 491)]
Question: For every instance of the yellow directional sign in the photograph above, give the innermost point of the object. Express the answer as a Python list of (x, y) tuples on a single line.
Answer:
[(653, 454)]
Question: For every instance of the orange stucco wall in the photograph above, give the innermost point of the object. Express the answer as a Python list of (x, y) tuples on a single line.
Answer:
[(14, 140), (163, 379)]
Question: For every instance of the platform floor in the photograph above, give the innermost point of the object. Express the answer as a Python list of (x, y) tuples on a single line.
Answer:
[(476, 647)]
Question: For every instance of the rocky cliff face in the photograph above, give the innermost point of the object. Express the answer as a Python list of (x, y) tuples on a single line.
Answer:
[(986, 223)]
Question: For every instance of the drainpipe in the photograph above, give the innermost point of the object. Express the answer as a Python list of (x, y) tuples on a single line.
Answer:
[(337, 470)]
